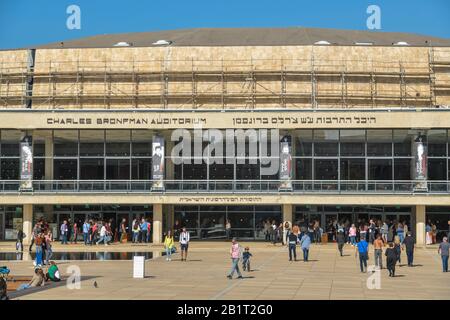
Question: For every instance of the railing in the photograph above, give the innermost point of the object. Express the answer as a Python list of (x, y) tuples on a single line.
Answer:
[(229, 186)]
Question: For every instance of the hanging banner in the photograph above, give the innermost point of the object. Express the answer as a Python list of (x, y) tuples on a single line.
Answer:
[(420, 151), (158, 163), (26, 163), (285, 164)]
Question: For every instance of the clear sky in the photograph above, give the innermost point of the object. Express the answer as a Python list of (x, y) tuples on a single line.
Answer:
[(30, 22)]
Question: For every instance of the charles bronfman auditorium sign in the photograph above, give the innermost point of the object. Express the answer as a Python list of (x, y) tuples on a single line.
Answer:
[(223, 120)]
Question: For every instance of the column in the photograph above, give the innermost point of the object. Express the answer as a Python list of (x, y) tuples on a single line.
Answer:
[(157, 223), (287, 212), (27, 223), (169, 214), (420, 224)]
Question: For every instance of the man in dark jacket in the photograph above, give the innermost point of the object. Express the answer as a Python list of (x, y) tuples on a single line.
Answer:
[(408, 243), (340, 238), (391, 259), (292, 242)]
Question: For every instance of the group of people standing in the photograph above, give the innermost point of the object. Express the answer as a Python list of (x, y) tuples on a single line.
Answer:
[(42, 239)]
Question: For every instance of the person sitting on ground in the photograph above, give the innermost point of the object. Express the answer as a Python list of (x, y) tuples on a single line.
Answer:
[(246, 259), (38, 280), (53, 273)]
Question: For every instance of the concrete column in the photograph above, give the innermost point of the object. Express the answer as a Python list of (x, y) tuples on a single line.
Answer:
[(157, 223), (27, 223), (287, 213), (420, 224), (169, 215), (49, 158)]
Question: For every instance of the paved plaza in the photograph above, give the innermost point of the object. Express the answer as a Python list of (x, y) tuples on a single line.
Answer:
[(203, 276)]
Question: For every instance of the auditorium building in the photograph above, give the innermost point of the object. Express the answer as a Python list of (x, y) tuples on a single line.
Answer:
[(204, 126)]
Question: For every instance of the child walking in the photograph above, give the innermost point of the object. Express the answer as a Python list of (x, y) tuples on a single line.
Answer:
[(246, 259)]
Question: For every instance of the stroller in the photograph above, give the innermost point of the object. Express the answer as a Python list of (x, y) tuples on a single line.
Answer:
[(4, 272)]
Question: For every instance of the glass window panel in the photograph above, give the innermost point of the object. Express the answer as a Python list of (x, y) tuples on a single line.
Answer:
[(303, 169), (65, 169), (247, 171), (379, 142), (39, 138), (10, 143), (38, 169), (325, 169), (402, 169), (92, 169), (142, 142), (117, 169), (221, 171), (353, 169), (353, 142), (141, 169), (380, 169), (437, 169), (117, 142), (241, 220), (402, 142), (195, 171), (65, 143), (188, 219), (326, 142), (10, 169), (437, 143), (303, 142), (92, 143)]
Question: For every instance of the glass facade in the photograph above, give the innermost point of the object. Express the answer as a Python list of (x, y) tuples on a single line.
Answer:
[(10, 221), (208, 222)]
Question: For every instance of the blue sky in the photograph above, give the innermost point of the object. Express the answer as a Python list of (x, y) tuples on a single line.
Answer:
[(29, 22)]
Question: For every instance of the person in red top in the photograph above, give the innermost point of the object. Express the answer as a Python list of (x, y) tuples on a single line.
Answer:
[(149, 227)]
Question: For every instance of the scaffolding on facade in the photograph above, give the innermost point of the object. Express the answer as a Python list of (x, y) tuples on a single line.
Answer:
[(224, 84)]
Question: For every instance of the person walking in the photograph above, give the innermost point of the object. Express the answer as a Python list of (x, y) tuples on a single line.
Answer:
[(391, 259), (168, 245), (103, 235), (363, 249), (372, 228), (352, 234), (408, 243), (64, 232), (398, 249), (228, 229), (235, 253), (135, 231), (246, 259), (35, 232), (123, 230), (340, 239), (86, 227), (20, 237), (286, 231), (144, 229), (378, 245), (74, 232), (384, 232), (292, 245), (400, 232), (149, 228), (48, 237), (39, 240), (184, 243), (443, 250), (305, 243)]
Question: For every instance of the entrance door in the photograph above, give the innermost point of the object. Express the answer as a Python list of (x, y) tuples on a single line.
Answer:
[(2, 226)]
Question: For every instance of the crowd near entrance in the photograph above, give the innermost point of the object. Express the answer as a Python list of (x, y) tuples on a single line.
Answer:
[(77, 215)]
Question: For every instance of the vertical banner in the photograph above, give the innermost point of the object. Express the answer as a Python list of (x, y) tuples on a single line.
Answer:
[(158, 163), (420, 152), (26, 163), (285, 164)]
